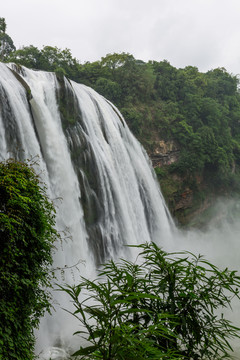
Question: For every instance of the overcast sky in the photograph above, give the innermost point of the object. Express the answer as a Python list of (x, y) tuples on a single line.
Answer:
[(202, 33)]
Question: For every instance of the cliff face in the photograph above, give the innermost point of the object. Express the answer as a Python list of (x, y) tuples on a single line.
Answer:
[(187, 200), (164, 153)]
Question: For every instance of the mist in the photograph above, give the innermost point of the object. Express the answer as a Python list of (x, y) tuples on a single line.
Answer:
[(218, 242)]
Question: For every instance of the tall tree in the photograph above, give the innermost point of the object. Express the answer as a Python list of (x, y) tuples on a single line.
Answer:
[(6, 43), (3, 25)]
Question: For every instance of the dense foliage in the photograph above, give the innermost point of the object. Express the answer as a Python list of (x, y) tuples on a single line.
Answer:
[(197, 111), (163, 307), (197, 114), (26, 240)]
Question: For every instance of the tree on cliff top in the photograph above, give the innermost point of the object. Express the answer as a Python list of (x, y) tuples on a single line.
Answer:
[(6, 43), (3, 25)]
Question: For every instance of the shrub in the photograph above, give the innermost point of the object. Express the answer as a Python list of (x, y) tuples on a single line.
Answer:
[(163, 308), (27, 234)]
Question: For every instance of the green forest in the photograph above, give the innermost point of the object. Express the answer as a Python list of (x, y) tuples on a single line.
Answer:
[(195, 115), (198, 114)]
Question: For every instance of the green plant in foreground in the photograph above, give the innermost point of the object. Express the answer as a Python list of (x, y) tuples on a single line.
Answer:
[(27, 234), (163, 307)]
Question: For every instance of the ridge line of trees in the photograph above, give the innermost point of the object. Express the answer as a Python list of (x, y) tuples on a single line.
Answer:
[(198, 112)]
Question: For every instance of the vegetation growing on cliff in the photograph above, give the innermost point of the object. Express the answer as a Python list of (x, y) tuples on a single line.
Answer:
[(199, 112), (27, 234)]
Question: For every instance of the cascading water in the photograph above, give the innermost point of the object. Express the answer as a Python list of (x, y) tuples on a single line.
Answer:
[(101, 182), (96, 172)]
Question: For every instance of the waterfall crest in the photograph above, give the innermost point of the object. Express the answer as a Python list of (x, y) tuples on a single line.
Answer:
[(89, 160)]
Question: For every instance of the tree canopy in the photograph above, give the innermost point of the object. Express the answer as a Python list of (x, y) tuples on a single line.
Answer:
[(6, 43), (3, 25)]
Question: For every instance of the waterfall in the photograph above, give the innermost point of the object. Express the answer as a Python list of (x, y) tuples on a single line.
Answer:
[(96, 172)]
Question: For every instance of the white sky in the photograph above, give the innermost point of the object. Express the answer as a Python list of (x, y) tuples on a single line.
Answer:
[(202, 33)]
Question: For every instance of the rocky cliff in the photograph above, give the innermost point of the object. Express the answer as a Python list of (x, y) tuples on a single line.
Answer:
[(188, 201)]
